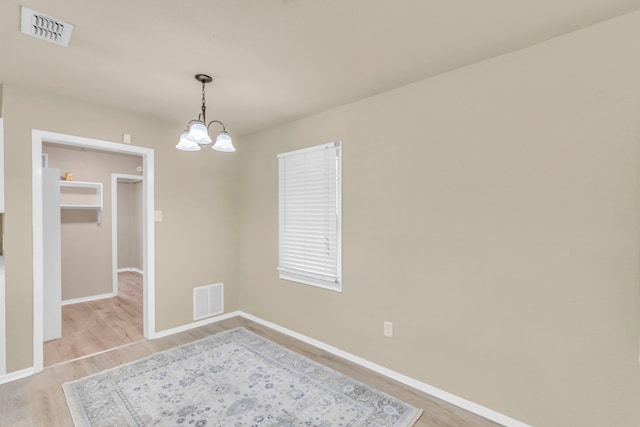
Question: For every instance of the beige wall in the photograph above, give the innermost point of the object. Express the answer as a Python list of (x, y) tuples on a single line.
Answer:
[(124, 219), (195, 191), (491, 213), (136, 259), (130, 225), (86, 245)]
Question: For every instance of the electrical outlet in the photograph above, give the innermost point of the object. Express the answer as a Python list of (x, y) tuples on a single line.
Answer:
[(388, 329)]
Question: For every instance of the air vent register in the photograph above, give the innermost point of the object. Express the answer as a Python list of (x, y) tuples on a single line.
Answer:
[(44, 27)]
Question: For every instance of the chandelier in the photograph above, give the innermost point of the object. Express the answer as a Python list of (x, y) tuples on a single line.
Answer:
[(197, 136)]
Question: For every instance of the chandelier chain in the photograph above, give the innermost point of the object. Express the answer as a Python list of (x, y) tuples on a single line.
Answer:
[(204, 107)]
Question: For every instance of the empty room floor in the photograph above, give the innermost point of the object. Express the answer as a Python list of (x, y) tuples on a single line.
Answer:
[(95, 326), (39, 400)]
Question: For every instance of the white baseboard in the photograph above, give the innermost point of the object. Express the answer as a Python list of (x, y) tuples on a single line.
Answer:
[(16, 375), (130, 270), (433, 391), (197, 324), (89, 298)]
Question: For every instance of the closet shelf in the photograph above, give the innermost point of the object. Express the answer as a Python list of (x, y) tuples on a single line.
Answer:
[(64, 206), (82, 195)]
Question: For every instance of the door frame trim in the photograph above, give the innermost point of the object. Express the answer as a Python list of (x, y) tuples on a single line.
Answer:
[(148, 234)]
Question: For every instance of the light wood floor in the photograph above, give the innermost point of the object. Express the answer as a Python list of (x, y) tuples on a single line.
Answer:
[(95, 326), (39, 400)]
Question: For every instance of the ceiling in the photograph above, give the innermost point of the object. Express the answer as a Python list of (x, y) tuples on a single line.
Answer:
[(273, 60)]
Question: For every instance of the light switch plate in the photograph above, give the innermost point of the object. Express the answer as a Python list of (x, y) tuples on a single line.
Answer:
[(388, 329)]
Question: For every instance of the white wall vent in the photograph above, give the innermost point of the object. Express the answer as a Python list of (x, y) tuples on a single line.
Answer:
[(44, 27), (208, 300)]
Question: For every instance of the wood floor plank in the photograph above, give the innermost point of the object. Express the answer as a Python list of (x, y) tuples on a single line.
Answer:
[(94, 326)]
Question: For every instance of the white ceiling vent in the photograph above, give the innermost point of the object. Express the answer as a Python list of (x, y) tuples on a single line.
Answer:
[(44, 27)]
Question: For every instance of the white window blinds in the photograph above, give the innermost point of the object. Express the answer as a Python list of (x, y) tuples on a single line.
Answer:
[(310, 216)]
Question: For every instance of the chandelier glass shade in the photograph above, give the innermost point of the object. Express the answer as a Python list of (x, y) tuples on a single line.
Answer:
[(224, 143), (186, 144), (197, 133)]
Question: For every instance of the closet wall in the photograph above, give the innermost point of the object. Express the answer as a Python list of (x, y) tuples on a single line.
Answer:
[(130, 226), (86, 245)]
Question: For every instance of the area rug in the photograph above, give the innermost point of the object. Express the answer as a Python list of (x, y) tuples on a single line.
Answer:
[(234, 378)]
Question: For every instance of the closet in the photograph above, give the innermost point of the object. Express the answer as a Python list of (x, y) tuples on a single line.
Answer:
[(3, 354), (61, 195)]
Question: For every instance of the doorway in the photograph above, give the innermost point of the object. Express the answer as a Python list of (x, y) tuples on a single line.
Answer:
[(126, 226), (148, 279)]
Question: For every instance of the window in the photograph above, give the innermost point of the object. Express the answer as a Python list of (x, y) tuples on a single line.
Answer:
[(310, 237)]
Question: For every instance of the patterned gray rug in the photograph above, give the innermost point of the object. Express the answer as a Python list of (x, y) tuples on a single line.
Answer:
[(234, 378)]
